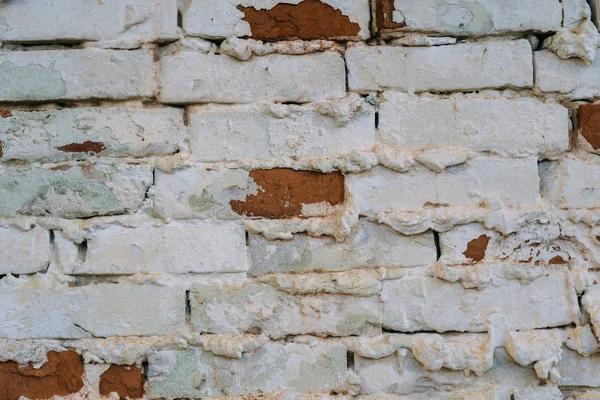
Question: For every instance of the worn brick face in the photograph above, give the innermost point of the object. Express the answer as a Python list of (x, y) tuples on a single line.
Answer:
[(310, 19), (589, 124), (126, 381), (300, 199), (283, 192), (61, 375)]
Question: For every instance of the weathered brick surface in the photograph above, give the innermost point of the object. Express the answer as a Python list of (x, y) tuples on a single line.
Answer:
[(272, 131), (576, 370), (235, 193), (277, 20), (514, 127), (534, 245), (178, 247), (259, 308), (413, 69), (299, 199), (372, 245), (57, 135), (382, 379), (91, 311), (473, 18), (70, 21), (61, 375), (514, 182), (274, 367), (75, 74), (589, 127), (24, 251), (285, 193), (126, 381), (72, 191), (424, 304), (573, 78), (571, 184), (191, 77)]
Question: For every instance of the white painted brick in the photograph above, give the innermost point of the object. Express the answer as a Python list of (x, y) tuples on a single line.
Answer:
[(440, 68), (75, 74), (435, 395), (98, 310), (454, 243), (122, 132), (372, 245), (483, 394), (73, 191), (215, 19), (522, 127), (576, 370), (71, 20), (575, 12), (591, 305), (478, 17), (537, 244), (595, 8), (269, 131), (423, 303), (208, 192), (253, 307), (316, 368), (199, 193), (191, 77), (512, 181), (24, 252), (178, 247), (573, 78), (571, 183), (381, 376)]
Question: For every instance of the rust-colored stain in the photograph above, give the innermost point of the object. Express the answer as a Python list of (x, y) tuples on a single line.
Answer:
[(87, 169), (589, 124), (61, 168), (384, 10), (557, 260), (126, 381), (85, 147), (1, 149), (310, 19), (476, 248), (61, 375), (5, 113), (282, 192)]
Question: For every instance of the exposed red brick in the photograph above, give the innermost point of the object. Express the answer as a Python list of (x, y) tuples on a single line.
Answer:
[(557, 260), (282, 192), (477, 247), (126, 381), (61, 375), (310, 19), (5, 113), (85, 147), (384, 10), (589, 124)]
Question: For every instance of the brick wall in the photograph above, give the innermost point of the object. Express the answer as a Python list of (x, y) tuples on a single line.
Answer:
[(300, 199)]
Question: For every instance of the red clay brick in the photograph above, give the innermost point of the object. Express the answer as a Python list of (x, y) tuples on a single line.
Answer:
[(282, 192), (589, 124), (310, 19), (126, 381), (61, 375)]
